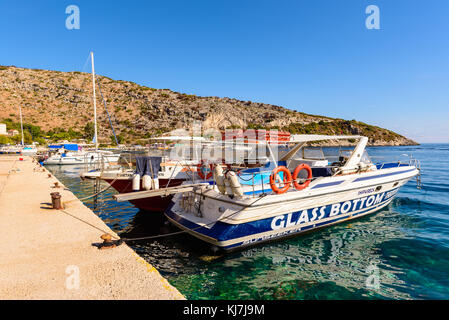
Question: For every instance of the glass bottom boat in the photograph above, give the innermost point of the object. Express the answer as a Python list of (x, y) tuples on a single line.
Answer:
[(305, 192)]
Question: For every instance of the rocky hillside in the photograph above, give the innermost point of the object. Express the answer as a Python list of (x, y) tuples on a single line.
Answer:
[(52, 100)]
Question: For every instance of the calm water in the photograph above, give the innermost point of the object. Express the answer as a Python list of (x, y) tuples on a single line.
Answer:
[(399, 252)]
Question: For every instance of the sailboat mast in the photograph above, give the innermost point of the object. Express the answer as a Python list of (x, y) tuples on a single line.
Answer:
[(95, 102), (21, 123)]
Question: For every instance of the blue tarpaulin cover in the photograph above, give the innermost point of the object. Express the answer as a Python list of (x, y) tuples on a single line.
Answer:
[(67, 146), (146, 165), (71, 146)]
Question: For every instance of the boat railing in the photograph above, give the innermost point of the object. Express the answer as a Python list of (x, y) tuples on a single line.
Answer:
[(259, 182), (412, 162), (253, 180), (416, 163), (103, 163)]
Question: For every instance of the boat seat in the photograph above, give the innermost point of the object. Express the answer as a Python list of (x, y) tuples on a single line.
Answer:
[(321, 172), (317, 172)]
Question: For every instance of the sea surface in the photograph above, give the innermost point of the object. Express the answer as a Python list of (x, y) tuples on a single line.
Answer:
[(400, 252)]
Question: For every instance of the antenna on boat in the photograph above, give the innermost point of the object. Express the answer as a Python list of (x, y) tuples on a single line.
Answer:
[(95, 102), (21, 123)]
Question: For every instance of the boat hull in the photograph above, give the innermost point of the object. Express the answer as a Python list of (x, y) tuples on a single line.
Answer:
[(73, 160), (148, 204), (230, 237)]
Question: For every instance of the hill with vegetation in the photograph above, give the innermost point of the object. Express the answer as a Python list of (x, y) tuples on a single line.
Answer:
[(58, 105)]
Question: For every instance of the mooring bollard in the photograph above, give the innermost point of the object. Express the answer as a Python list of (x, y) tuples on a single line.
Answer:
[(108, 243), (56, 200), (106, 238)]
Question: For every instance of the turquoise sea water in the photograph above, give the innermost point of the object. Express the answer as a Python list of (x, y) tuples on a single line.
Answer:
[(400, 252)]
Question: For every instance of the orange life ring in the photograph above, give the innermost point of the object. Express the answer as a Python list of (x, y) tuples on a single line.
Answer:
[(304, 185), (200, 172), (287, 179)]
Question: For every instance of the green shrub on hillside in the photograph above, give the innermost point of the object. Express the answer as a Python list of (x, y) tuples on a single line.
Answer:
[(5, 139)]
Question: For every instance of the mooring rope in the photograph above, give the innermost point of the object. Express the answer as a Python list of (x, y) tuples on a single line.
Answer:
[(120, 239), (166, 234), (95, 194), (193, 229)]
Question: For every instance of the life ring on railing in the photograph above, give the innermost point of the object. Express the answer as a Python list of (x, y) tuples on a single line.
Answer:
[(299, 168), (287, 179), (199, 170)]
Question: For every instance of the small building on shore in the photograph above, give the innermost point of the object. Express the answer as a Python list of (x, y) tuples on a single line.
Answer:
[(13, 132), (3, 129)]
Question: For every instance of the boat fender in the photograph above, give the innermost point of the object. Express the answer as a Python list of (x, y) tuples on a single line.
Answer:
[(287, 177), (220, 179), (236, 187), (136, 182), (155, 183), (228, 189), (301, 186), (146, 182)]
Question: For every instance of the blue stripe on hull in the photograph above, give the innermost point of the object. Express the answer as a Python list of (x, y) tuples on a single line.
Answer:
[(294, 232), (382, 175), (221, 231), (322, 185)]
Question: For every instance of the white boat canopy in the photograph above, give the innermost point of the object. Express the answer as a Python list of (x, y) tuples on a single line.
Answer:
[(293, 139), (302, 139), (179, 138), (319, 137)]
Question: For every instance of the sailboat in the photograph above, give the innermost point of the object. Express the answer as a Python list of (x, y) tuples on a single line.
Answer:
[(85, 157), (21, 149), (25, 150)]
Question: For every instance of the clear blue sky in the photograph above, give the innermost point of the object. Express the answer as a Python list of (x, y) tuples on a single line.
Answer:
[(315, 56)]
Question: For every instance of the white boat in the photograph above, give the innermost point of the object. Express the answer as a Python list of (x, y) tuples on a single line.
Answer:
[(82, 157), (233, 216), (29, 151), (20, 150), (179, 165), (149, 173), (85, 157)]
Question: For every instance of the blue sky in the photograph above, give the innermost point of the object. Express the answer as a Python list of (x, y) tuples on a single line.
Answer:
[(314, 56)]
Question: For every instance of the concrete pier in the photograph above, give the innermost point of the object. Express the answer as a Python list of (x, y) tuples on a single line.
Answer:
[(48, 254)]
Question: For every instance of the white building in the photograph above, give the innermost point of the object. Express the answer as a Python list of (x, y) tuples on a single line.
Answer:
[(13, 132), (3, 129)]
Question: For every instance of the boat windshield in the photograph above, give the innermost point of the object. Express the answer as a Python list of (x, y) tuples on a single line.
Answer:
[(345, 154), (365, 158), (313, 153)]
